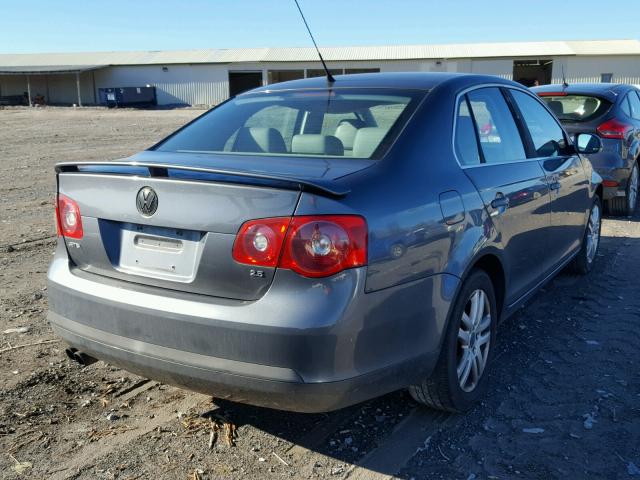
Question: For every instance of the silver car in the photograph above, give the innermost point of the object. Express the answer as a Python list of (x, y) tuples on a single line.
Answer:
[(312, 244)]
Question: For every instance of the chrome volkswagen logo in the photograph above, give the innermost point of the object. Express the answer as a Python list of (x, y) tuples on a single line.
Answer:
[(147, 201)]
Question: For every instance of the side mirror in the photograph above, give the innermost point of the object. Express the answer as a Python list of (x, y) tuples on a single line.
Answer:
[(587, 143)]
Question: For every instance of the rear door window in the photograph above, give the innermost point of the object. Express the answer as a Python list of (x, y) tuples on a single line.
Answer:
[(547, 136), (500, 139), (634, 103)]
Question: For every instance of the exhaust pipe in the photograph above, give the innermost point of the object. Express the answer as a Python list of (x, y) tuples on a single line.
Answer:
[(80, 357)]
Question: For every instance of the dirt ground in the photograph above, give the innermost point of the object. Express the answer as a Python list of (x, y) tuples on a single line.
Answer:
[(564, 397)]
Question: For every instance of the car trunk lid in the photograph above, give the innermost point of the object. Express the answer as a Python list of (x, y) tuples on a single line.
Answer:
[(202, 200)]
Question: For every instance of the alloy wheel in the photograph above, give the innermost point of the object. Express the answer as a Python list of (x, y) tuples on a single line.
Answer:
[(593, 233), (474, 340)]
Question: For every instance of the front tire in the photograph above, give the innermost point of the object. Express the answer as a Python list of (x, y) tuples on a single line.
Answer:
[(583, 262), (459, 379), (626, 206)]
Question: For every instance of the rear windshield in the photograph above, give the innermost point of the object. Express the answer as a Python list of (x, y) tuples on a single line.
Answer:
[(358, 123), (577, 108)]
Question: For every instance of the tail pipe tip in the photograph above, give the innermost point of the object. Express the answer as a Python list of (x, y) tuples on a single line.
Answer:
[(80, 357)]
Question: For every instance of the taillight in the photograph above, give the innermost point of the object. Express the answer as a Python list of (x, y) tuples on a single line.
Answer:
[(325, 245), (613, 129), (259, 242), (313, 246), (68, 220)]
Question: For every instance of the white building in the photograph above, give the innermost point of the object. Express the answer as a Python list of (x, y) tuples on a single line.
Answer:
[(207, 77)]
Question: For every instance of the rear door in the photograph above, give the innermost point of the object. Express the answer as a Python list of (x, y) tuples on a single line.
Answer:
[(513, 187), (569, 189)]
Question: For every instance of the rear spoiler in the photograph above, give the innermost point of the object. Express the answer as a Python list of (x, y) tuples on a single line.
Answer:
[(160, 170)]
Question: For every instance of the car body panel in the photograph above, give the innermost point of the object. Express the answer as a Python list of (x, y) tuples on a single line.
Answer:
[(312, 344)]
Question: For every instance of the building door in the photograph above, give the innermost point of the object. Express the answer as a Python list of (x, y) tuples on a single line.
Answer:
[(242, 81), (532, 72)]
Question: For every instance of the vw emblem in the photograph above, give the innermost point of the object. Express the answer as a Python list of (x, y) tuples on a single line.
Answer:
[(147, 201)]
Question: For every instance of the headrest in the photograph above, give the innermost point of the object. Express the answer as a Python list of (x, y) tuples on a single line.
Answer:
[(347, 130), (312, 144), (367, 140), (259, 140), (556, 107)]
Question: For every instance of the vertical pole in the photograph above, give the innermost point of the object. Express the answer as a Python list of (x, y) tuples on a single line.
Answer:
[(29, 90), (78, 87), (46, 79), (93, 79)]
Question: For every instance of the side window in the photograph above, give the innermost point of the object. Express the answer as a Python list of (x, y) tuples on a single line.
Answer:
[(499, 136), (285, 124), (331, 121), (634, 102), (386, 115), (547, 136), (465, 142), (624, 105)]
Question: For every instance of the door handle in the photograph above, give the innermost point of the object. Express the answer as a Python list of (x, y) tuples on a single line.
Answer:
[(500, 202), (555, 185)]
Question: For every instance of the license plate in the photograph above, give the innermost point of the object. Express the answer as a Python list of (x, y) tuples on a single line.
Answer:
[(156, 252)]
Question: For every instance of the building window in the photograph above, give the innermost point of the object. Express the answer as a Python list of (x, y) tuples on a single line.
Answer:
[(275, 76), (606, 77), (348, 71), (165, 69), (319, 72)]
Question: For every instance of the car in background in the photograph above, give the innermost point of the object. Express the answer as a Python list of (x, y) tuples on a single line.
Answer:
[(312, 244), (612, 112)]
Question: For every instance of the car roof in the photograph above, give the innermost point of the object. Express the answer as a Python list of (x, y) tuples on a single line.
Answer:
[(610, 91), (398, 80)]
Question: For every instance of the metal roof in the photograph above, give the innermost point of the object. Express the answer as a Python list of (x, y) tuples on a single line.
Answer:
[(47, 69), (303, 54)]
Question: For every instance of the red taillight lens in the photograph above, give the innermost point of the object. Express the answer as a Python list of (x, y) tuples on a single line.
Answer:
[(313, 246), (319, 246), (259, 242), (68, 220), (613, 129)]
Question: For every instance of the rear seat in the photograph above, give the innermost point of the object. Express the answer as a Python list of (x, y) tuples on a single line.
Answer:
[(259, 140), (315, 144), (346, 132)]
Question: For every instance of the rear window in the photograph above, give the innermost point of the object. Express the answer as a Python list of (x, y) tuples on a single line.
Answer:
[(576, 108), (320, 123)]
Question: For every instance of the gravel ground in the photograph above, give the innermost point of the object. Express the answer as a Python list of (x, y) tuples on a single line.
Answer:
[(564, 401)]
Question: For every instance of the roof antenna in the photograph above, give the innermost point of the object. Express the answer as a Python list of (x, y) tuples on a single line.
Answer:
[(330, 78), (564, 80)]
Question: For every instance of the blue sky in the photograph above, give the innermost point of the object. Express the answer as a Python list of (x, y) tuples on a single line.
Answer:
[(73, 25)]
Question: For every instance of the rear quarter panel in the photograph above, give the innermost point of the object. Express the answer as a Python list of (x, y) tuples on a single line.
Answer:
[(400, 199)]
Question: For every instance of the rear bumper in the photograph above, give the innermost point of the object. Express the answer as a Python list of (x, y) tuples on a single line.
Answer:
[(612, 168), (306, 345)]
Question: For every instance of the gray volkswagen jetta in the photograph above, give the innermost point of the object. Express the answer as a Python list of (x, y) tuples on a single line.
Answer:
[(310, 245)]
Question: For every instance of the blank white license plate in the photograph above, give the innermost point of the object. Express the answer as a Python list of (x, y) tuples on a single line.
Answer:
[(164, 253)]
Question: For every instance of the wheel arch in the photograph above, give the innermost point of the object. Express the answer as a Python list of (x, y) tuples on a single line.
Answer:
[(491, 262)]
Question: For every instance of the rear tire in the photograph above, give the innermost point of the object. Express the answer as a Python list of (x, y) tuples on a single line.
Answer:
[(626, 206), (583, 262), (459, 379)]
